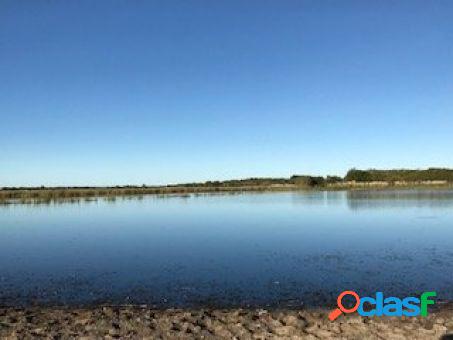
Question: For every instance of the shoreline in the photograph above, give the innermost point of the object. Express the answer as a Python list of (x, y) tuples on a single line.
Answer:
[(143, 322), (50, 195)]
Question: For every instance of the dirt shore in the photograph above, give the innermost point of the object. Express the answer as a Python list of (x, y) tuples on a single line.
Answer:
[(133, 322)]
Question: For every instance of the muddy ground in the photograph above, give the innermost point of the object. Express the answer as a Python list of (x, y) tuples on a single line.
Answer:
[(133, 322)]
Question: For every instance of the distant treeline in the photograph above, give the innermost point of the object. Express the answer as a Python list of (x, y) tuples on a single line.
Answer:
[(432, 174), (372, 175), (294, 180)]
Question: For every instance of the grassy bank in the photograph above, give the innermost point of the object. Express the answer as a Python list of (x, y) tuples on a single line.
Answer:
[(36, 195), (48, 195)]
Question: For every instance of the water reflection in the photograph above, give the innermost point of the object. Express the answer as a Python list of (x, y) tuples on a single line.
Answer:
[(394, 199), (354, 199), (243, 249)]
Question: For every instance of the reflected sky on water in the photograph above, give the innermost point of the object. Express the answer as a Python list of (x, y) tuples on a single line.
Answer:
[(258, 249)]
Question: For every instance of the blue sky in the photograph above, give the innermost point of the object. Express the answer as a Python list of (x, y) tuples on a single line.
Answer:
[(132, 92)]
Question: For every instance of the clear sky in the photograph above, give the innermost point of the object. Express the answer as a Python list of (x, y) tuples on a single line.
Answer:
[(133, 92)]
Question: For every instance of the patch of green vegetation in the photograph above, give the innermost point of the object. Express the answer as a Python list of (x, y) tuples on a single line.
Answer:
[(373, 175)]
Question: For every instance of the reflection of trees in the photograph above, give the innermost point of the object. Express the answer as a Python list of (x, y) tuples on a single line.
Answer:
[(319, 197), (409, 198)]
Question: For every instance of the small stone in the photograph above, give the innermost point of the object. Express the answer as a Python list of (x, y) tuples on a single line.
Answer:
[(439, 328), (289, 320), (322, 333), (262, 312), (284, 330), (440, 321)]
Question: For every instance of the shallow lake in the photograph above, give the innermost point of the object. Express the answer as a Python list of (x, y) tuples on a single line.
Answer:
[(252, 249)]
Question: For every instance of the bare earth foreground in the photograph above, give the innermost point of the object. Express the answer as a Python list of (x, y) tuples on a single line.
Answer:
[(133, 322)]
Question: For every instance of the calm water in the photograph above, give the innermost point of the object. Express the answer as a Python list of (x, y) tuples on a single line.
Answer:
[(283, 249)]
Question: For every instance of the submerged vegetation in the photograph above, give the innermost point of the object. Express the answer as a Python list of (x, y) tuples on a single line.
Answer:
[(353, 179)]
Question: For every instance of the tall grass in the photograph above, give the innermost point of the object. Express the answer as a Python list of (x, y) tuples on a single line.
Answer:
[(43, 195)]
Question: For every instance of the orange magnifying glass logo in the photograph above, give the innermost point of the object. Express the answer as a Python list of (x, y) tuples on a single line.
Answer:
[(341, 309)]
